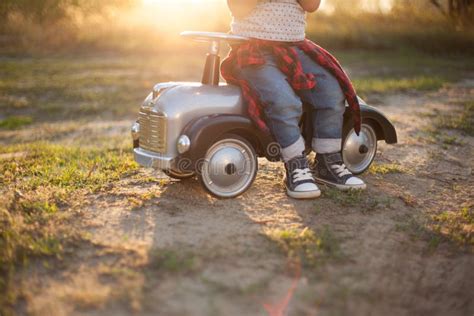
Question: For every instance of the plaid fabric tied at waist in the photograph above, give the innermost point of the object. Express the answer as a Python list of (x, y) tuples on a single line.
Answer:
[(249, 54)]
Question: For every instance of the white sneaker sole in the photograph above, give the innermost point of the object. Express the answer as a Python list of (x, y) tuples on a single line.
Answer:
[(342, 187), (304, 194)]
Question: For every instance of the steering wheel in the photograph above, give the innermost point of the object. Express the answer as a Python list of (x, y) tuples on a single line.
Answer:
[(214, 37), (212, 66)]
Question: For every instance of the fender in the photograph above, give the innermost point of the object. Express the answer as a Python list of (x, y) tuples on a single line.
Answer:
[(384, 128), (205, 130)]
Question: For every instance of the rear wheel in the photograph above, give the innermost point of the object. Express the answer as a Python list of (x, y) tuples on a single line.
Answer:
[(358, 152), (229, 167)]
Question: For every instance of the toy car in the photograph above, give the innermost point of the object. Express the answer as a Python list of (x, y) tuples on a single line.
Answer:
[(201, 128)]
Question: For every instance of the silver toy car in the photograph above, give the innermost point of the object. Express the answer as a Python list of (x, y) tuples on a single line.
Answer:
[(201, 128)]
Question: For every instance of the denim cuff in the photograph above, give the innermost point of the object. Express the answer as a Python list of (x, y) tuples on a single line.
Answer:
[(326, 145), (294, 150)]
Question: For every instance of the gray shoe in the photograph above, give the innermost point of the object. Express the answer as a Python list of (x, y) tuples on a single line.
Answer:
[(299, 180), (329, 169)]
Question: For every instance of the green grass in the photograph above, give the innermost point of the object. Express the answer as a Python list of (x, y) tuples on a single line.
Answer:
[(377, 168), (358, 199), (307, 246), (461, 119), (15, 122), (70, 168), (31, 207), (83, 86), (349, 198), (384, 85), (418, 228), (450, 140), (434, 134), (19, 243), (404, 62), (457, 225), (40, 183), (172, 261), (92, 87), (401, 70), (424, 30)]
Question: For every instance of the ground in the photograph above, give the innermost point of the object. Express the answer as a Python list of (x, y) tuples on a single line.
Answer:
[(89, 232)]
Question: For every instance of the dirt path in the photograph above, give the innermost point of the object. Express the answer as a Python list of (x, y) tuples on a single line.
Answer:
[(158, 247)]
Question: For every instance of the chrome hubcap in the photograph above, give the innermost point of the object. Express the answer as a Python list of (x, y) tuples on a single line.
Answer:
[(229, 167), (359, 151)]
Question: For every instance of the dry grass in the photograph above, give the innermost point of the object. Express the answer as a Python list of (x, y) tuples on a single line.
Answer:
[(382, 169), (307, 246), (87, 293), (456, 225), (462, 120), (36, 186), (426, 31)]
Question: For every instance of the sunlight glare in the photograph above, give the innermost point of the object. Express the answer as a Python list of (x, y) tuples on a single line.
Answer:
[(150, 3), (175, 16)]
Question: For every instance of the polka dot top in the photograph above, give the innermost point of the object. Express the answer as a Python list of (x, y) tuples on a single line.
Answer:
[(274, 20)]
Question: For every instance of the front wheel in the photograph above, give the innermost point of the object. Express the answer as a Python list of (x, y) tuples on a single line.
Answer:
[(358, 152), (229, 167), (178, 174)]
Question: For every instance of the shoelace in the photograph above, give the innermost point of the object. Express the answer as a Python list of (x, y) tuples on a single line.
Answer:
[(341, 170), (302, 174)]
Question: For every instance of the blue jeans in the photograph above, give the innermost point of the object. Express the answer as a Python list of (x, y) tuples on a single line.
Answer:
[(283, 107)]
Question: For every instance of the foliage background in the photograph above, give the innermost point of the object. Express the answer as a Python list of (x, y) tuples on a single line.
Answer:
[(59, 26)]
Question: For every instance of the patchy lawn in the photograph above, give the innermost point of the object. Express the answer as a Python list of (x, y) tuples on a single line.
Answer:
[(83, 229)]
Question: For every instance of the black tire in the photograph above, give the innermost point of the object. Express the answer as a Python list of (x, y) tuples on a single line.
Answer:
[(178, 175)]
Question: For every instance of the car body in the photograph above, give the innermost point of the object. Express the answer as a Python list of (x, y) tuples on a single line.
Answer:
[(188, 128)]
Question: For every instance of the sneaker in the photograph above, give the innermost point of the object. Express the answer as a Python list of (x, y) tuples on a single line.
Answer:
[(299, 180), (329, 169)]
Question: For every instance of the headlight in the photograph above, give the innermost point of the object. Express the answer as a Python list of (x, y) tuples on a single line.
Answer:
[(136, 131), (183, 144)]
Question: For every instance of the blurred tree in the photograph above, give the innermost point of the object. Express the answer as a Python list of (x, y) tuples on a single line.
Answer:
[(342, 6), (460, 11), (43, 11)]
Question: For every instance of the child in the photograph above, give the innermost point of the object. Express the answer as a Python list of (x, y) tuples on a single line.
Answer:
[(278, 70)]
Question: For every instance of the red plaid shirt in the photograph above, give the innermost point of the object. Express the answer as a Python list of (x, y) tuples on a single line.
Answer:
[(248, 54)]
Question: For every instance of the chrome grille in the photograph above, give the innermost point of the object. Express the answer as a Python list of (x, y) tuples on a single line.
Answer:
[(152, 131)]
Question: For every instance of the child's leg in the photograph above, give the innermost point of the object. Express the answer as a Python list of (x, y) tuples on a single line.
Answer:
[(283, 110), (328, 102)]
